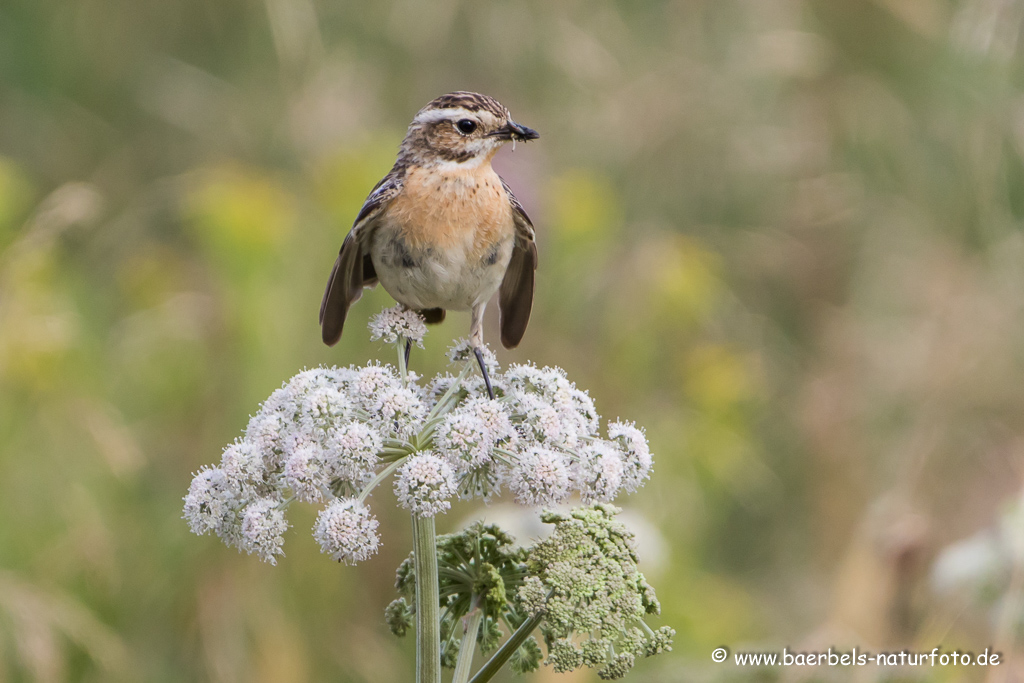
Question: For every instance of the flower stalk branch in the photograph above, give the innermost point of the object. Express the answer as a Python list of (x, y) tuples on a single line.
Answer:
[(465, 662), (505, 652)]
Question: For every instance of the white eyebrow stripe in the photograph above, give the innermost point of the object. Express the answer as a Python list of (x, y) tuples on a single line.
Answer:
[(432, 115)]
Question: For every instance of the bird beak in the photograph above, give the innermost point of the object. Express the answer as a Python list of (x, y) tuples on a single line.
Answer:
[(514, 131)]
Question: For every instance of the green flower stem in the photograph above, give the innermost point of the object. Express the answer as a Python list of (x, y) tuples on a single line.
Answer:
[(441, 407), (499, 658), (506, 456), (403, 371), (381, 476), (428, 623), (390, 456), (393, 448), (285, 503), (468, 646)]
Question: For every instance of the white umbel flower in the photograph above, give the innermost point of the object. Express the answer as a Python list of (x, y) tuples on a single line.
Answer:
[(636, 453), (585, 411), (211, 502), (540, 477), (395, 322), (399, 408), (310, 379), (347, 531), (263, 527), (463, 440), (599, 472), (281, 401), (424, 485), (494, 417), (547, 381), (354, 449), (325, 430), (306, 472), (575, 408), (244, 466), (543, 422), (268, 431), (372, 380), (471, 431), (323, 407)]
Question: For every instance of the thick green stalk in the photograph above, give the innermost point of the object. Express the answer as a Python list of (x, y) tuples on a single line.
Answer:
[(503, 654), (468, 647), (428, 602)]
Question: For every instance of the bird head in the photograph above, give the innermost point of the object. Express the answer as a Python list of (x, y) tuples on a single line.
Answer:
[(461, 128)]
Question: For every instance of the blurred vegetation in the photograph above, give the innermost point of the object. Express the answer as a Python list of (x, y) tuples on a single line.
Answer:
[(785, 235)]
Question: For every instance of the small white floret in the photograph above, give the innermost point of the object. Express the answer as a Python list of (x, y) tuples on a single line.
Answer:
[(398, 322), (540, 477), (210, 502), (306, 472), (355, 451), (599, 472), (263, 527), (347, 531), (637, 459), (425, 484), (244, 466), (372, 380)]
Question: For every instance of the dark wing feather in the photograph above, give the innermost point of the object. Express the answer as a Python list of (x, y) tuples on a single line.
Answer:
[(515, 297), (354, 270)]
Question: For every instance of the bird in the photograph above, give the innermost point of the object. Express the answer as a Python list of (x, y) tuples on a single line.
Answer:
[(442, 230)]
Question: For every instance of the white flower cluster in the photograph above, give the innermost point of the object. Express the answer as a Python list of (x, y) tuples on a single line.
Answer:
[(539, 438), (317, 438), (347, 531), (398, 321), (424, 485), (329, 435)]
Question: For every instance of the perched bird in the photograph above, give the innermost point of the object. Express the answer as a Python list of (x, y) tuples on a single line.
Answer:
[(442, 230)]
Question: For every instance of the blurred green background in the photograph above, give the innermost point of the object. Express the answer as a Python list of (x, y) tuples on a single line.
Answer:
[(787, 236)]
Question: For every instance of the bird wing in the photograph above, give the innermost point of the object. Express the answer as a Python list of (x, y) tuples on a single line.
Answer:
[(354, 270), (515, 297)]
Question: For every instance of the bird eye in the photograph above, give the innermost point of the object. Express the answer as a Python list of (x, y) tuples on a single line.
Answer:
[(466, 126)]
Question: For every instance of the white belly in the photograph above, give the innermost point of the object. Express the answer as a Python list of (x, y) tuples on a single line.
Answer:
[(455, 278)]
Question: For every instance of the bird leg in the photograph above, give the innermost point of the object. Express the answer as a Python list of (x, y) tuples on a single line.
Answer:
[(483, 369), (408, 351), (476, 340)]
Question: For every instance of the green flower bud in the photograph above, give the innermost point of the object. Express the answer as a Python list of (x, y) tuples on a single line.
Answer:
[(526, 658), (398, 616), (595, 651), (564, 657), (449, 652), (490, 635), (618, 667), (585, 579), (660, 642)]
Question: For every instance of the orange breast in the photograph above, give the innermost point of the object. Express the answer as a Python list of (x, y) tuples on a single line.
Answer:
[(458, 208)]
